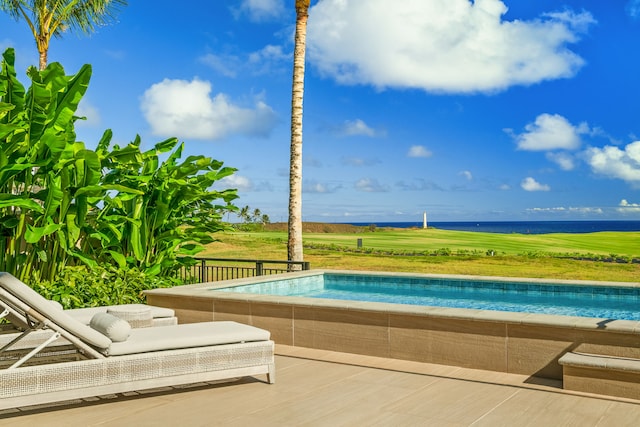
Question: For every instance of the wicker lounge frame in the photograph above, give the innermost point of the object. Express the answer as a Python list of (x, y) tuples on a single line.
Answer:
[(150, 358)]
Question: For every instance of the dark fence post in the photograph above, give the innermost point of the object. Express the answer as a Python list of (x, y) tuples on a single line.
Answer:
[(259, 268), (306, 265), (203, 271)]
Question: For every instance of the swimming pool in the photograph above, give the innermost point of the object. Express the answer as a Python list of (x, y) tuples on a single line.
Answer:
[(498, 294), (487, 336)]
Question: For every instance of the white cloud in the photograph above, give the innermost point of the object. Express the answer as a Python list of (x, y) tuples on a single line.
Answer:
[(90, 112), (269, 53), (551, 132), (530, 184), (261, 10), (625, 203), (556, 209), (562, 159), (266, 60), (319, 187), (586, 210), (269, 59), (186, 110), (355, 128), (239, 182), (466, 174), (616, 163), (633, 8), (316, 187), (626, 207), (419, 185), (227, 65), (570, 210), (505, 187), (369, 185), (433, 45), (419, 151), (359, 161)]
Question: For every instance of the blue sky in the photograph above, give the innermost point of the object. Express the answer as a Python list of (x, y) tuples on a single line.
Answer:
[(481, 111)]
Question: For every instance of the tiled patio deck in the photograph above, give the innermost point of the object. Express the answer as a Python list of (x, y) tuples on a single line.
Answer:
[(319, 388)]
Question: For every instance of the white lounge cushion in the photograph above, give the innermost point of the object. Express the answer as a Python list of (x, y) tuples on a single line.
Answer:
[(186, 336), (114, 328), (43, 306)]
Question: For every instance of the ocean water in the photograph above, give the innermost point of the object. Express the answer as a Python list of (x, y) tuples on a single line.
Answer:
[(520, 227)]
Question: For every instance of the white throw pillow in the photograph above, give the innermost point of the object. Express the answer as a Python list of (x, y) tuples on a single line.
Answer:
[(111, 326)]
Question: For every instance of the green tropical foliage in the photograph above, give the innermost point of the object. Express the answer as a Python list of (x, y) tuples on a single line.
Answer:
[(62, 204), (161, 210), (45, 175), (77, 287)]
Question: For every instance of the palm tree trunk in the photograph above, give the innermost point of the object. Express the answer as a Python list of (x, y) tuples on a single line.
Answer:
[(43, 60), (294, 244), (42, 43)]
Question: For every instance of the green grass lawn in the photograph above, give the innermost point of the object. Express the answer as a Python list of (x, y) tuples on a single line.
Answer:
[(419, 240), (513, 252)]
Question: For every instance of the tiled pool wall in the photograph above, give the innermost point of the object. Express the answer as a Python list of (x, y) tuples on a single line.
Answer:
[(520, 343), (284, 287), (339, 281)]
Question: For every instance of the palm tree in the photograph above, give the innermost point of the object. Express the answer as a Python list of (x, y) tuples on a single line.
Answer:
[(47, 18), (294, 243), (244, 214)]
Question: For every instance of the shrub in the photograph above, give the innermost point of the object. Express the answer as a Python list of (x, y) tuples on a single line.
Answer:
[(78, 286)]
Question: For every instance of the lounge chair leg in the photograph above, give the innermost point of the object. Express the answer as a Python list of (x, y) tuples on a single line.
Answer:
[(37, 349), (271, 375), (18, 338)]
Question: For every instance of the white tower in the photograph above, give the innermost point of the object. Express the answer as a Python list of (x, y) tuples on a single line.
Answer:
[(424, 220)]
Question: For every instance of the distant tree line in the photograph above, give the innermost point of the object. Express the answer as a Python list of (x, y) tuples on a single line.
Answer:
[(252, 219)]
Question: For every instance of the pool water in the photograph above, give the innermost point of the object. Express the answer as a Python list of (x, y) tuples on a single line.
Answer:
[(608, 302)]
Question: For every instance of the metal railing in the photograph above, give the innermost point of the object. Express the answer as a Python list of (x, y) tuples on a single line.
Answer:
[(215, 269)]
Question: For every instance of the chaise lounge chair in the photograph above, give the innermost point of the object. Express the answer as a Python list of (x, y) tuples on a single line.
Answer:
[(111, 357)]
